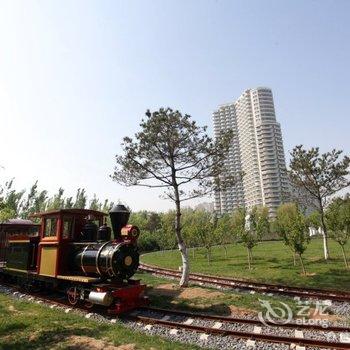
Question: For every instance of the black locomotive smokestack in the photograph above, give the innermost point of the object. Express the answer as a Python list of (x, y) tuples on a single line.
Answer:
[(119, 218)]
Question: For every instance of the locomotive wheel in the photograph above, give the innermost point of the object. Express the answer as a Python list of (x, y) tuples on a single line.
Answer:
[(73, 295), (89, 305)]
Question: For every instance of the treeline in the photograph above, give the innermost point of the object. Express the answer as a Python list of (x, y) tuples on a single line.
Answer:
[(23, 203), (204, 229), (200, 228)]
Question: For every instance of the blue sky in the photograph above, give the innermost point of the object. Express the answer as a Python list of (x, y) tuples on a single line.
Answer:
[(77, 76)]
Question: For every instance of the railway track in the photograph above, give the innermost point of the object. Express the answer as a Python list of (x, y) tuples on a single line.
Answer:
[(237, 329), (311, 336), (225, 282)]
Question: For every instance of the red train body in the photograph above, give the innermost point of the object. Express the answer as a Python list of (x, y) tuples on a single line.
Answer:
[(71, 250)]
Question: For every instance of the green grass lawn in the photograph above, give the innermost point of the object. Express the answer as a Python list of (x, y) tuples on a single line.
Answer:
[(273, 263), (24, 325), (206, 300)]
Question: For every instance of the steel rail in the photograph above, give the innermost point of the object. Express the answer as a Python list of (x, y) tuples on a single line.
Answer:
[(256, 286), (245, 335), (230, 319)]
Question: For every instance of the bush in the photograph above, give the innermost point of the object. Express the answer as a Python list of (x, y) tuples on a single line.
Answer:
[(148, 242)]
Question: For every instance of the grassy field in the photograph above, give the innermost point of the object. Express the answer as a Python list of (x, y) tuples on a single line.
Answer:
[(167, 294), (273, 263), (24, 325)]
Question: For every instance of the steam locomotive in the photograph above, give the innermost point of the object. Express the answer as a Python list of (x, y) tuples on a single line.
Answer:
[(71, 250)]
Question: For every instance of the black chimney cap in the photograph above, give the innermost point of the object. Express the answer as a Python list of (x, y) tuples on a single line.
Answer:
[(119, 208)]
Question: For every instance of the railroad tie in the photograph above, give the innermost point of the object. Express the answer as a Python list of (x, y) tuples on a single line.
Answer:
[(298, 334), (148, 327), (113, 320), (204, 336), (217, 325), (189, 321), (250, 343), (88, 315), (174, 331), (166, 318), (257, 330), (345, 338), (296, 347), (67, 310)]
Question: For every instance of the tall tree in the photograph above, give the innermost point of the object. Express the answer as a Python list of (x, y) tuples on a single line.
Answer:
[(338, 222), (95, 203), (11, 198), (224, 232), (153, 222), (322, 175), (80, 199), (202, 225), (292, 226), (172, 153), (250, 227), (57, 201)]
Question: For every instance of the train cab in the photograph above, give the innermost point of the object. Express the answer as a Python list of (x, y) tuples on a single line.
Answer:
[(58, 230)]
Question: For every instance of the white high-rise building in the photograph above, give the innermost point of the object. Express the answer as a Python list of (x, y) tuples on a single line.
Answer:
[(256, 156)]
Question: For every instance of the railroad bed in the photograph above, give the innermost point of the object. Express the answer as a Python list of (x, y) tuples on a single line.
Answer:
[(226, 332), (208, 331), (225, 282)]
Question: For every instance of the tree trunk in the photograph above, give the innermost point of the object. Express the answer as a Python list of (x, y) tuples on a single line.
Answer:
[(180, 242), (302, 264), (225, 251), (325, 234), (249, 263), (193, 252), (208, 256), (344, 256)]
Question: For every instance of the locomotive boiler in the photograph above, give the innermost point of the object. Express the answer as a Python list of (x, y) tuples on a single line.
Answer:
[(104, 258), (73, 250)]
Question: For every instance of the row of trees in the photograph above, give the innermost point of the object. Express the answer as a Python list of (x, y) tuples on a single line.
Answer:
[(200, 228), (293, 226), (23, 203), (203, 229)]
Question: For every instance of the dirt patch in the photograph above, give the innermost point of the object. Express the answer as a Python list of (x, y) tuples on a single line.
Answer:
[(241, 311), (12, 308), (88, 343), (173, 290), (315, 314)]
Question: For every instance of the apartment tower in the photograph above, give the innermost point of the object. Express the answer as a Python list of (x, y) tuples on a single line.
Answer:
[(256, 157)]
